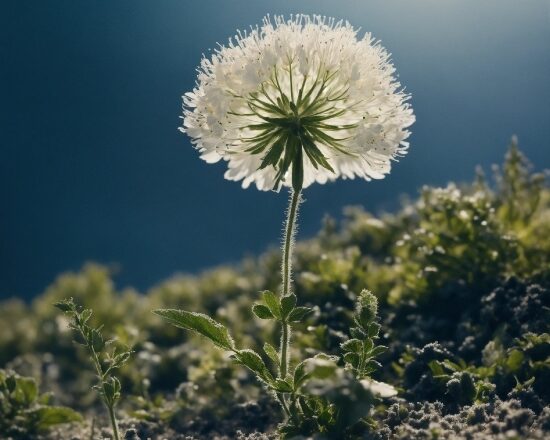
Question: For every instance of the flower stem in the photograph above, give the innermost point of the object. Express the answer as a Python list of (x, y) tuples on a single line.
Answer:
[(286, 269)]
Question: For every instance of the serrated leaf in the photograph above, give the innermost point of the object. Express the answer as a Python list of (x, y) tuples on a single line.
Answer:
[(272, 353), (253, 361), (262, 311), (282, 386), (374, 329), (353, 345), (378, 350), (369, 343), (120, 359), (288, 303), (96, 340), (352, 359), (49, 416), (358, 333), (201, 324), (272, 302), (65, 305), (299, 313), (85, 315)]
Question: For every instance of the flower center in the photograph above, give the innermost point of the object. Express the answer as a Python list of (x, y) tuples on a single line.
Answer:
[(297, 118)]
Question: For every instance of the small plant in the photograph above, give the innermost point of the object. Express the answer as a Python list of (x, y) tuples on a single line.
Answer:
[(104, 360), (24, 412), (360, 351)]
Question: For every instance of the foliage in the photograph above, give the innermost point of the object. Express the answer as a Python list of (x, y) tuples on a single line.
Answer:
[(24, 412), (104, 361), (462, 278)]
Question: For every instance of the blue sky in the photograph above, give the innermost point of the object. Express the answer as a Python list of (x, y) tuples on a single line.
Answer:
[(92, 167)]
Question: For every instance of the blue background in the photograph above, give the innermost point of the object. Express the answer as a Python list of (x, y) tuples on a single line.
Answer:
[(92, 166)]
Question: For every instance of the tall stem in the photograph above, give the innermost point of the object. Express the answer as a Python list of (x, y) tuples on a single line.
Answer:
[(286, 269)]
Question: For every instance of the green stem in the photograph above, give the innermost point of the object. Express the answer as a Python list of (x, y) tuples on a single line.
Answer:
[(290, 228), (101, 376), (113, 421)]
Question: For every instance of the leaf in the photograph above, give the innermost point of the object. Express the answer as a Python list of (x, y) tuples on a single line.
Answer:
[(85, 315), (282, 386), (96, 340), (288, 303), (26, 390), (378, 350), (358, 333), (55, 415), (352, 359), (253, 361), (374, 329), (272, 353), (353, 345), (514, 361), (272, 302), (299, 313), (111, 390), (65, 305), (201, 324), (436, 369), (262, 311), (121, 359), (320, 366)]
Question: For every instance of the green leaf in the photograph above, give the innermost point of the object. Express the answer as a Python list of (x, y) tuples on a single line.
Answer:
[(288, 303), (65, 305), (514, 361), (352, 359), (374, 329), (436, 369), (85, 315), (358, 333), (201, 324), (353, 345), (320, 366), (299, 314), (49, 416), (378, 350), (120, 359), (262, 311), (253, 361), (111, 390), (96, 340), (272, 302), (26, 390), (272, 353), (282, 386)]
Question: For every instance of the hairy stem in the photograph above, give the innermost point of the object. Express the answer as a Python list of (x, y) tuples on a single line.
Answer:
[(113, 421), (101, 376), (286, 269)]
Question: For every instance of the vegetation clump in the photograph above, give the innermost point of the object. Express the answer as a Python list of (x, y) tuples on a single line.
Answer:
[(457, 324)]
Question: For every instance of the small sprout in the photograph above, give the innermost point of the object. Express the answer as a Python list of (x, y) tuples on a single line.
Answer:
[(360, 351), (105, 362)]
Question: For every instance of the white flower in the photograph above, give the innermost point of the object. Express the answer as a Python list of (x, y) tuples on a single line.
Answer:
[(298, 101)]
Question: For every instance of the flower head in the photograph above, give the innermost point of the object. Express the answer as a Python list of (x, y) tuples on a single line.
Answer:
[(298, 101)]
